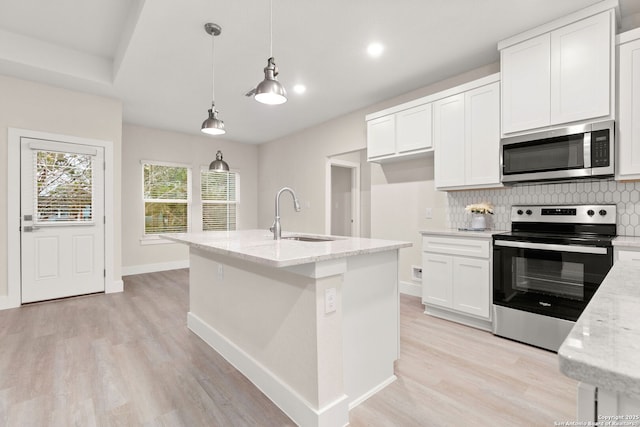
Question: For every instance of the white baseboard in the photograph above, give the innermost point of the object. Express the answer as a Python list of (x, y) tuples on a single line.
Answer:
[(116, 286), (7, 302), (371, 392), (151, 268), (287, 399), (409, 288)]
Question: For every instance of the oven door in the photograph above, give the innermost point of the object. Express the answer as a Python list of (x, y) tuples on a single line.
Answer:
[(555, 280)]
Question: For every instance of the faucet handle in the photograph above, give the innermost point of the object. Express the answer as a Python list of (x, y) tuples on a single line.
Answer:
[(273, 227)]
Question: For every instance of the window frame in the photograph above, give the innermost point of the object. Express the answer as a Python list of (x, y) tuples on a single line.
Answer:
[(236, 202), (150, 239)]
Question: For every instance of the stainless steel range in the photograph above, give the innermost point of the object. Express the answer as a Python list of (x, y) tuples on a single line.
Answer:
[(547, 268)]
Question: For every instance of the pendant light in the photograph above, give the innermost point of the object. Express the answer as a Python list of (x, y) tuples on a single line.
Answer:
[(270, 91), (218, 164), (213, 125)]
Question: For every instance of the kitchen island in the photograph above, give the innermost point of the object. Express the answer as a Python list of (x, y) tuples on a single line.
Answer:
[(602, 350), (313, 324)]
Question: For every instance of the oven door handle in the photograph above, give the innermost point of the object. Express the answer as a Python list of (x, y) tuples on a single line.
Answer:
[(552, 247)]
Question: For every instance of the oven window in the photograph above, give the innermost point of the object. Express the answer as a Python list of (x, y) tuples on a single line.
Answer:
[(550, 277), (566, 152)]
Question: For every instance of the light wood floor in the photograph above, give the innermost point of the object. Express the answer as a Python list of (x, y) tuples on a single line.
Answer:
[(129, 360)]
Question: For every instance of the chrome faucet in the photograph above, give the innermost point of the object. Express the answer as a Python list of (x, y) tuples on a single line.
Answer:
[(276, 228)]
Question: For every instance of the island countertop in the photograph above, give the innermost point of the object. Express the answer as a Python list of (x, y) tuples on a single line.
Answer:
[(603, 346), (259, 246)]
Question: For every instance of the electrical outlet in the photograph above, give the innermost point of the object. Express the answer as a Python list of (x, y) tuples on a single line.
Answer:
[(330, 300), (428, 213)]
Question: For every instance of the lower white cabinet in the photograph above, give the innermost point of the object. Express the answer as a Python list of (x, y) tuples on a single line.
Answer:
[(456, 278)]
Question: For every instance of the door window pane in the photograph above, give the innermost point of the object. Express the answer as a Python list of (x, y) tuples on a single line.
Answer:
[(63, 187)]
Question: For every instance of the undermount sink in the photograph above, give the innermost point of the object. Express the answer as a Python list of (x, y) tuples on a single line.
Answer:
[(309, 239)]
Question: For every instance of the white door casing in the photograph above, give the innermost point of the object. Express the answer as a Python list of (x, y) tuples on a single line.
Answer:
[(62, 211), (355, 194)]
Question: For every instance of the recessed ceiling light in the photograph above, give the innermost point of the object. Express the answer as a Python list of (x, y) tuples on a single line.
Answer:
[(299, 88), (375, 49)]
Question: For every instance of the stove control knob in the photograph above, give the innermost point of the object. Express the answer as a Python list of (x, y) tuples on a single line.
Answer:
[(590, 212), (529, 212), (520, 212), (602, 212)]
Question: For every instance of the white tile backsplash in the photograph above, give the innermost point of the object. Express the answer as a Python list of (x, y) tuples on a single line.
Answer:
[(625, 195)]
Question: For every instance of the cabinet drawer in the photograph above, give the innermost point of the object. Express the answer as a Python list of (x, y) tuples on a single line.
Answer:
[(455, 246)]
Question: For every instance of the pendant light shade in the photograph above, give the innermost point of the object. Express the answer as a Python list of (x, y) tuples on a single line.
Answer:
[(213, 125), (270, 91), (218, 164)]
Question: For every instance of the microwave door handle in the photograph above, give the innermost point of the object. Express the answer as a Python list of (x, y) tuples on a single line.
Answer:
[(553, 247), (587, 150)]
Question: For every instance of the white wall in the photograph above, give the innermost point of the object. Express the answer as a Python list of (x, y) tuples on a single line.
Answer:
[(142, 143), (37, 107), (399, 192)]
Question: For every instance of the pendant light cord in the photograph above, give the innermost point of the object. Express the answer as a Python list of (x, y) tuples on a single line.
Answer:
[(213, 72), (271, 28)]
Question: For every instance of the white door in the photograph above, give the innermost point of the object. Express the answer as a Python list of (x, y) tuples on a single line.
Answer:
[(62, 226), (449, 140), (341, 201), (437, 279), (381, 136), (526, 81), (482, 133)]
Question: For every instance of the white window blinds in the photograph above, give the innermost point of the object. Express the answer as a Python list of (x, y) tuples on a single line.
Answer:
[(219, 191), (166, 193), (63, 190)]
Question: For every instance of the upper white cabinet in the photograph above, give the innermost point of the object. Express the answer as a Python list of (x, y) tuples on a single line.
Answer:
[(467, 138), (400, 134), (560, 73), (526, 71), (629, 106), (413, 129), (381, 139)]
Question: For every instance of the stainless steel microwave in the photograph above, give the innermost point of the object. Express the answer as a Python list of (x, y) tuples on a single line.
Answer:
[(581, 151)]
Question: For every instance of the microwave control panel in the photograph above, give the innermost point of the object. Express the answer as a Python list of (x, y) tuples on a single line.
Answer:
[(600, 148)]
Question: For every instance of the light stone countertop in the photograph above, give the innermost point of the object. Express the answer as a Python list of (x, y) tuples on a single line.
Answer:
[(603, 348), (627, 241), (455, 232), (259, 246)]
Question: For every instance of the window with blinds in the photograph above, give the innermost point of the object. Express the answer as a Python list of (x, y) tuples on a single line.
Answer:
[(166, 193), (63, 190), (218, 191)]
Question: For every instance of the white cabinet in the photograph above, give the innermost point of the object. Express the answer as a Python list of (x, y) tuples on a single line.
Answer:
[(381, 136), (526, 79), (471, 286), (449, 133), (629, 254), (401, 134), (413, 129), (456, 278), (628, 137), (560, 76), (467, 139)]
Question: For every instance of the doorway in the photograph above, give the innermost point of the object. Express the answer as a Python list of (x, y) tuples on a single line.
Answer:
[(343, 198), (62, 219), (72, 243)]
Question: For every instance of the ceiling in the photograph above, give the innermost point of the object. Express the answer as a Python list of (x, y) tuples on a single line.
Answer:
[(155, 56)]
